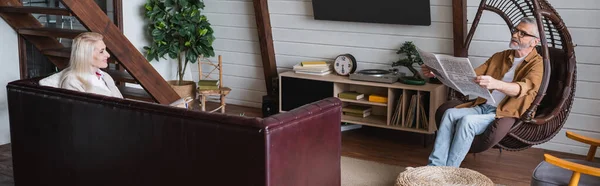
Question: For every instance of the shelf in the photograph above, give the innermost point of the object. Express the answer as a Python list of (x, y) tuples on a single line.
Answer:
[(345, 80), (380, 120), (364, 101)]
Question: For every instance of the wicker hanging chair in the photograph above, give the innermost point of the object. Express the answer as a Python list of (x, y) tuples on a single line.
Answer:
[(551, 107)]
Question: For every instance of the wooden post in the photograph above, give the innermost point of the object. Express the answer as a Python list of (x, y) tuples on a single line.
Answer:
[(265, 38), (459, 22)]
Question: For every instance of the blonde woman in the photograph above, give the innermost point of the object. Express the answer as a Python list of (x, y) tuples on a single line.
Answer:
[(88, 56)]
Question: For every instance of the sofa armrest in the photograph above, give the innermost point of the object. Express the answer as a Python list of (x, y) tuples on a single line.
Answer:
[(304, 145)]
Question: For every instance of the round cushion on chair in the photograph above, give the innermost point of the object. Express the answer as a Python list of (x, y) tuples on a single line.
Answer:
[(441, 175), (546, 174)]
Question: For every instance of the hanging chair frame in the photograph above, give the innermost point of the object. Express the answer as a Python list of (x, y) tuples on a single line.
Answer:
[(554, 34)]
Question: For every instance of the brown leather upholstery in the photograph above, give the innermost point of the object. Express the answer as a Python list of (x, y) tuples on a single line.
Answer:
[(492, 135), (62, 137)]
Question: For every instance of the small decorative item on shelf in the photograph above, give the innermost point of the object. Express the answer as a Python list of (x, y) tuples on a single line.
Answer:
[(353, 95), (344, 64), (312, 68), (378, 98), (412, 56)]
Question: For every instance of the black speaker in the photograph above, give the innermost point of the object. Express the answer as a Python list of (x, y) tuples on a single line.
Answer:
[(269, 106)]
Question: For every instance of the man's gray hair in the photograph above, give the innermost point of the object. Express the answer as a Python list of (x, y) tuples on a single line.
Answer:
[(530, 20)]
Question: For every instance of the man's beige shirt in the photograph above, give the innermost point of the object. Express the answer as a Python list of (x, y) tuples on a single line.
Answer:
[(528, 76)]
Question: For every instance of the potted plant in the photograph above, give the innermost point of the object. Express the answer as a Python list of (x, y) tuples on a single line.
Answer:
[(179, 30), (410, 57)]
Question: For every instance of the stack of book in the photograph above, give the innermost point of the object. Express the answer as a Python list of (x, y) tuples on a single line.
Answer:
[(208, 84), (313, 68), (357, 111)]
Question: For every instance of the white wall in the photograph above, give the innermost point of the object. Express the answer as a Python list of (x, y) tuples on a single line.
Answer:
[(9, 72)]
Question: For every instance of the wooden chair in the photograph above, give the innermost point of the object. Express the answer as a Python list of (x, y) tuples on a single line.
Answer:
[(221, 92), (556, 171)]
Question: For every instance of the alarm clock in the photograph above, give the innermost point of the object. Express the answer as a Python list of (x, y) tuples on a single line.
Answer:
[(344, 64)]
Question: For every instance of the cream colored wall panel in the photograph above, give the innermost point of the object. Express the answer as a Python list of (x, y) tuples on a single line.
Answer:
[(436, 30), (583, 122), (229, 7), (245, 103), (581, 150), (247, 95), (588, 72), (328, 51), (251, 47), (375, 41), (247, 34), (586, 106), (562, 138), (238, 58), (234, 70), (236, 20), (587, 55), (588, 90)]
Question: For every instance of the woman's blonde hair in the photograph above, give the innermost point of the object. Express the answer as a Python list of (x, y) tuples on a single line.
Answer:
[(82, 55)]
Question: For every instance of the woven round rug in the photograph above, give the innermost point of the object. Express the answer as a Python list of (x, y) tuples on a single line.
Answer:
[(441, 175)]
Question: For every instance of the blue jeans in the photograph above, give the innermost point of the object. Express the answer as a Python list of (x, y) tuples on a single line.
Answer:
[(457, 130)]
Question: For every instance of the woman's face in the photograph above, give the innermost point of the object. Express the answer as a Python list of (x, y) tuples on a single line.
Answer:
[(100, 55)]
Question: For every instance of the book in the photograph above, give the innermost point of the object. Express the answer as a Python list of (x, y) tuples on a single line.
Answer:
[(208, 87), (208, 82), (358, 109), (314, 73), (363, 115), (299, 67), (313, 63), (351, 95), (378, 98)]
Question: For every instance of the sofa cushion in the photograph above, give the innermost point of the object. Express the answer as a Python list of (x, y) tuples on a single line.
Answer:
[(51, 81), (546, 174)]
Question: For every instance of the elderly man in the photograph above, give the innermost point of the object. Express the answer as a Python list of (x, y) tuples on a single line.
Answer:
[(513, 76)]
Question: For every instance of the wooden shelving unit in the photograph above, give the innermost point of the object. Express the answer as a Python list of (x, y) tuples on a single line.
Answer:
[(298, 89)]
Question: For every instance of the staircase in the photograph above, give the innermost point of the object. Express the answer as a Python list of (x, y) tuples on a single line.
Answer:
[(124, 56)]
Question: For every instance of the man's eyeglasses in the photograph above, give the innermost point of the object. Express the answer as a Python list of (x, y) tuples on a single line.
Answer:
[(521, 33)]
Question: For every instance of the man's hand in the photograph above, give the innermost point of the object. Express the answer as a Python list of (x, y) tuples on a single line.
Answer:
[(426, 71), (489, 82)]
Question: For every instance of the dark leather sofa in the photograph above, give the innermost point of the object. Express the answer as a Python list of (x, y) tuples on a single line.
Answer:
[(62, 137)]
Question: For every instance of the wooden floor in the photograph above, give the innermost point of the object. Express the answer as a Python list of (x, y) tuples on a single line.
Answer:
[(394, 148), (407, 150)]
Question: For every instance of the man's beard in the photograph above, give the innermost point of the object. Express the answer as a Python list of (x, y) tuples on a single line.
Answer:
[(518, 44)]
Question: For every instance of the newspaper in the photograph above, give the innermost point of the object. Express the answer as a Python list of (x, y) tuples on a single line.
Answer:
[(456, 73)]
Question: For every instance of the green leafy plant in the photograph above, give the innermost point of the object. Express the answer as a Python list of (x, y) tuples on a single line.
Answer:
[(411, 57), (180, 30)]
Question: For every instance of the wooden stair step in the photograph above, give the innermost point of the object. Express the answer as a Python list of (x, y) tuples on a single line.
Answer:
[(50, 32), (58, 52), (35, 10), (65, 52), (136, 93), (120, 76)]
